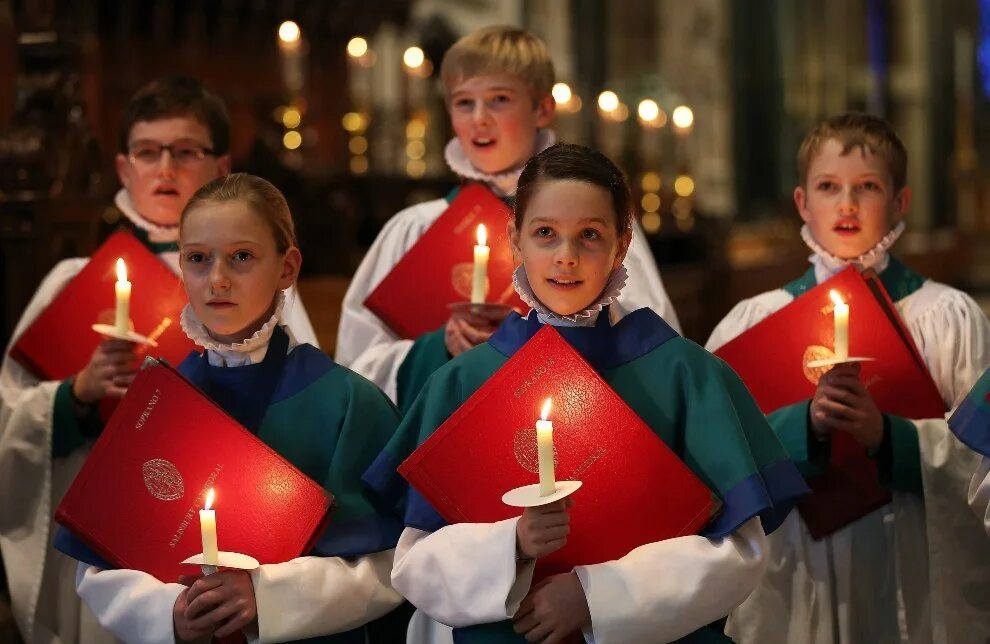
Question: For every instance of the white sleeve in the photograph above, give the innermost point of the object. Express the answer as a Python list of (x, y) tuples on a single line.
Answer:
[(953, 335), (462, 574), (979, 492), (294, 316), (644, 288), (365, 343), (131, 604), (663, 591), (745, 315), (31, 482), (312, 596)]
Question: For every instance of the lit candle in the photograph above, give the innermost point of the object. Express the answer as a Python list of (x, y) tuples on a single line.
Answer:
[(841, 326), (290, 49), (544, 446), (208, 528), (479, 283), (123, 289)]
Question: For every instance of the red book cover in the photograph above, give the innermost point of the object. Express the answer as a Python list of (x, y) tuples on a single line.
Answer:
[(635, 489), (436, 271), (61, 340), (771, 357), (136, 500)]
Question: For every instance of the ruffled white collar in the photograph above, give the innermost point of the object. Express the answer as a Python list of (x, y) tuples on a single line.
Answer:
[(156, 234), (826, 264), (504, 182), (587, 317), (236, 354)]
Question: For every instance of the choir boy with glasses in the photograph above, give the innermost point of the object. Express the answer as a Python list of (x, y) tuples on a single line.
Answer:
[(174, 138)]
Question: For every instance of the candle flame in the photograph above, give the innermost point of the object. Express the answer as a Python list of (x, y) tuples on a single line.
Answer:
[(546, 409), (210, 496), (836, 298), (121, 270), (482, 235)]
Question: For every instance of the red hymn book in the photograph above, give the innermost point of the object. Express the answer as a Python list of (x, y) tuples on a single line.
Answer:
[(136, 500), (413, 298), (772, 358), (635, 489), (61, 340)]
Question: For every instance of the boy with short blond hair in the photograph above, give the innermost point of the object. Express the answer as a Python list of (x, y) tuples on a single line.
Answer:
[(497, 83), (908, 571), (499, 50), (174, 138)]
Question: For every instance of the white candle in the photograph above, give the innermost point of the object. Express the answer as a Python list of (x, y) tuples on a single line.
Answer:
[(544, 446), (123, 289), (208, 528), (479, 281), (841, 348), (290, 48)]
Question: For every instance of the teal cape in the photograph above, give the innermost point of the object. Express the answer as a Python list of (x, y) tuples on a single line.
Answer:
[(971, 420), (692, 400), (327, 421)]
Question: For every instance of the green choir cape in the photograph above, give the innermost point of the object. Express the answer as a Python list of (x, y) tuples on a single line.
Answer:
[(324, 419), (692, 400)]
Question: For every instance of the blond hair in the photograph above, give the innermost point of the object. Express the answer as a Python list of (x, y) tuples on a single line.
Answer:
[(856, 130), (264, 199), (499, 50)]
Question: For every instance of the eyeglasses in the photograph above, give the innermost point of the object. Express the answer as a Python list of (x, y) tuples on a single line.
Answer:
[(182, 152)]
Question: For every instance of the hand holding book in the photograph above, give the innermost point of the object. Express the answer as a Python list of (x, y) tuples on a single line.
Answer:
[(842, 403), (219, 604), (554, 609), (467, 327), (109, 372)]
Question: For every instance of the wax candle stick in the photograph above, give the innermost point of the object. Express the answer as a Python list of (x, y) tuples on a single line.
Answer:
[(841, 317), (208, 528), (544, 444), (479, 281), (122, 288)]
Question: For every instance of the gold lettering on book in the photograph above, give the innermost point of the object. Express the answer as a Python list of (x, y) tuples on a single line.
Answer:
[(150, 407), (540, 372), (469, 219), (160, 329), (195, 507), (584, 467)]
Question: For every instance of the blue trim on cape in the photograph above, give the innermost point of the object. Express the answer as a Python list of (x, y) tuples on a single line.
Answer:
[(383, 478), (970, 422), (352, 539), (69, 544), (360, 537), (770, 494), (604, 346), (398, 495), (304, 365)]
